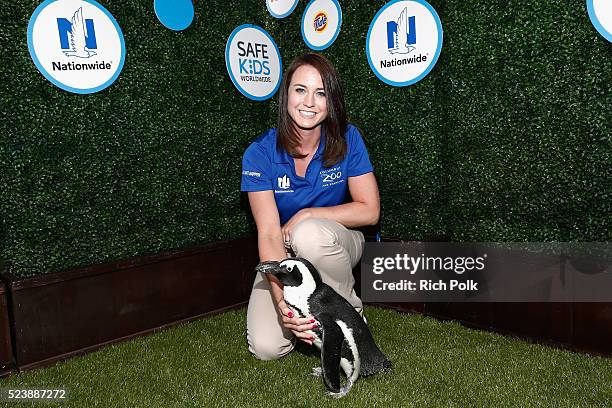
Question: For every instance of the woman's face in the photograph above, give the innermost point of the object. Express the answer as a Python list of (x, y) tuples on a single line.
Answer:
[(306, 101)]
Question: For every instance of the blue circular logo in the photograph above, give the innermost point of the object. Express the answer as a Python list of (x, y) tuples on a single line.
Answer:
[(404, 41), (77, 45), (281, 8), (176, 15), (321, 23), (600, 13), (253, 62)]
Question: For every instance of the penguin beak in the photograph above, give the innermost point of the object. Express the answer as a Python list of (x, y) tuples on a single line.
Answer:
[(271, 267)]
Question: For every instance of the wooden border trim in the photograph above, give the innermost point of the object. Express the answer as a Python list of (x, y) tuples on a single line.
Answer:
[(7, 361), (68, 313)]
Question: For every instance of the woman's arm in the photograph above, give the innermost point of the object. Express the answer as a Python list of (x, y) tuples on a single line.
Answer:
[(363, 210), (271, 248), (269, 237)]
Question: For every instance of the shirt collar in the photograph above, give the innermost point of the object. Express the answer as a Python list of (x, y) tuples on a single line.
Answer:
[(281, 155)]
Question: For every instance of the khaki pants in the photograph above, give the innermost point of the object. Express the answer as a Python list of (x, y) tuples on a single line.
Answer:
[(334, 250)]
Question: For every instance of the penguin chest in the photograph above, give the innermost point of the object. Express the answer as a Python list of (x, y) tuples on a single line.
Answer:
[(298, 298), (298, 294)]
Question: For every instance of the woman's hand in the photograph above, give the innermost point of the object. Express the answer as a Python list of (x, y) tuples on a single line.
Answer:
[(301, 215), (298, 326)]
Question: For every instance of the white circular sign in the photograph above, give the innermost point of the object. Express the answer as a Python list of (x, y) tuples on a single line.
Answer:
[(281, 8), (253, 62), (600, 13), (76, 44), (404, 41), (321, 23)]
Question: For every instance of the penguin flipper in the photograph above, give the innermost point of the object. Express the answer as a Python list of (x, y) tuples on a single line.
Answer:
[(331, 352)]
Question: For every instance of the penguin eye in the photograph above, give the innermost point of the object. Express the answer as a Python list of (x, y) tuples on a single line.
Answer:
[(290, 268)]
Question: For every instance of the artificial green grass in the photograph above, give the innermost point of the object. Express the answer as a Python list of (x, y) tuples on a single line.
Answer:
[(206, 364)]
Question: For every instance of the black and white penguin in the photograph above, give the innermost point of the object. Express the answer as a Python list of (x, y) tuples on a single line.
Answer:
[(343, 336)]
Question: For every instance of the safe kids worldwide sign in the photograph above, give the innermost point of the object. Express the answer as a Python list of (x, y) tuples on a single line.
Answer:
[(76, 44), (253, 62), (321, 23), (404, 41)]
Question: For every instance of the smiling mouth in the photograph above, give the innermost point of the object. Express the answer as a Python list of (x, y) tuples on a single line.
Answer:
[(307, 114)]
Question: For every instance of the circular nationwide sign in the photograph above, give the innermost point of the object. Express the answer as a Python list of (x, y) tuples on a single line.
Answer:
[(600, 13), (253, 62), (321, 23), (281, 8), (76, 44), (404, 41)]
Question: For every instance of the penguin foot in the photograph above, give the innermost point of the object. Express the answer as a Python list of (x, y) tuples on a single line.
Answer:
[(317, 371), (343, 391)]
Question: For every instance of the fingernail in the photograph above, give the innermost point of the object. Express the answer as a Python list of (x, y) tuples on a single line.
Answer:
[(312, 320), (314, 326), (290, 314)]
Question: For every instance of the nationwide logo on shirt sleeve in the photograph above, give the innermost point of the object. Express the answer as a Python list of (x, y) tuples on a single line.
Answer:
[(76, 44), (251, 173)]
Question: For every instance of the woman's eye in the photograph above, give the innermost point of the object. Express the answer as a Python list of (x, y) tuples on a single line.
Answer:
[(299, 90), (322, 94)]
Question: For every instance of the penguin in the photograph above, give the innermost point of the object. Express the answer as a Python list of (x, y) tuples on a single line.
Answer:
[(342, 336)]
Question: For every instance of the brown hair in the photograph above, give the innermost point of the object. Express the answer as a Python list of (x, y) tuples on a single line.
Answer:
[(336, 122)]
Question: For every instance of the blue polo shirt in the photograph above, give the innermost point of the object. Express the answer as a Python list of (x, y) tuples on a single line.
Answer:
[(268, 167)]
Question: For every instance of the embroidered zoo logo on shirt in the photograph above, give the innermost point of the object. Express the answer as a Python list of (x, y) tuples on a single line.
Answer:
[(331, 177)]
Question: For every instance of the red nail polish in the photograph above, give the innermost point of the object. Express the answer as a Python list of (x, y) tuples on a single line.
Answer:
[(312, 320), (290, 314), (314, 326)]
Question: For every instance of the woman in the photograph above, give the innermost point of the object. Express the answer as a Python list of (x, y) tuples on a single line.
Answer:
[(297, 177)]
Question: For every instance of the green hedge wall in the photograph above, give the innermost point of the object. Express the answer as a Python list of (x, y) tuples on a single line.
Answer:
[(528, 149), (508, 138), (151, 163)]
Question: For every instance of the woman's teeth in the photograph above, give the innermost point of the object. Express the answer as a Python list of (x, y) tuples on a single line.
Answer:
[(307, 114)]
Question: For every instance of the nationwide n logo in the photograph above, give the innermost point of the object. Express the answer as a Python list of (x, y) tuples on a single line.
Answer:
[(404, 41), (283, 182), (401, 34), (78, 35), (76, 44)]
